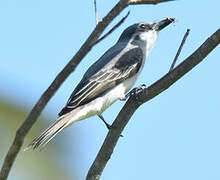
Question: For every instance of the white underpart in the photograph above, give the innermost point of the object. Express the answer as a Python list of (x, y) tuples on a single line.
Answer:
[(98, 105), (150, 37)]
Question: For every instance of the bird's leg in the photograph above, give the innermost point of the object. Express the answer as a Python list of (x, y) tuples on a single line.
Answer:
[(134, 92), (102, 118), (107, 125)]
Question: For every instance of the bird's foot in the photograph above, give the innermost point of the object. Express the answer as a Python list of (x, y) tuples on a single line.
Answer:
[(135, 92)]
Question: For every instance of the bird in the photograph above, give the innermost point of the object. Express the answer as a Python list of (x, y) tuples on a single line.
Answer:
[(109, 79)]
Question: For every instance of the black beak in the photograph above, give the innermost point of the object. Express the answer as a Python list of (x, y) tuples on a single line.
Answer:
[(162, 24)]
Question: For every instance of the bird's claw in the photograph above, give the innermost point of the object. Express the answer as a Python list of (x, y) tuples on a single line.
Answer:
[(135, 92)]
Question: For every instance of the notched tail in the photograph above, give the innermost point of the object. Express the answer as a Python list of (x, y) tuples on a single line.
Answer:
[(49, 133)]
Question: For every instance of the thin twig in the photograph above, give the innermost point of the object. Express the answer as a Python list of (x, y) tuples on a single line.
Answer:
[(153, 90), (96, 14), (147, 1), (179, 50), (112, 29)]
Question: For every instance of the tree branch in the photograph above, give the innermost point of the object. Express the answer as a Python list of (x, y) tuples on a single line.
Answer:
[(70, 67), (132, 104), (131, 2), (113, 28), (96, 13), (179, 50)]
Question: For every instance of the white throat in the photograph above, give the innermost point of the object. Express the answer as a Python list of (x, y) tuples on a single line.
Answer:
[(149, 37)]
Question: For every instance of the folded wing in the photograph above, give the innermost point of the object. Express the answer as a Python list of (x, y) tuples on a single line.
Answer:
[(103, 76)]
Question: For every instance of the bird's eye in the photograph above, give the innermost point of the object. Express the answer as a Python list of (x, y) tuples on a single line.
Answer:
[(145, 27)]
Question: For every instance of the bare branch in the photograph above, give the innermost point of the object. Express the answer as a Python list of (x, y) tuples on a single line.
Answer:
[(96, 14), (70, 67), (112, 29), (147, 1), (179, 50), (132, 104)]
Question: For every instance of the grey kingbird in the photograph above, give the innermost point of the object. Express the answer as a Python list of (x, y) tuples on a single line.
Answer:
[(108, 79)]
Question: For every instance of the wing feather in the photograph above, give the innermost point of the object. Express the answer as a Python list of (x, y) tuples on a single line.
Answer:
[(104, 79)]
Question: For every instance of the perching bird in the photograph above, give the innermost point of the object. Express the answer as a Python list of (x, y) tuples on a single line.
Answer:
[(108, 79)]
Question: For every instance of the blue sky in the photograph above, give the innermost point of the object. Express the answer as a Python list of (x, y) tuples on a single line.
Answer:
[(173, 136)]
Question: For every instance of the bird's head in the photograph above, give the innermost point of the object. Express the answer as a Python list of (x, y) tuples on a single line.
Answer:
[(144, 32)]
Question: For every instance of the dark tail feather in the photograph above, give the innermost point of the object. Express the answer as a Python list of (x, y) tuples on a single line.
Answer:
[(49, 133)]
